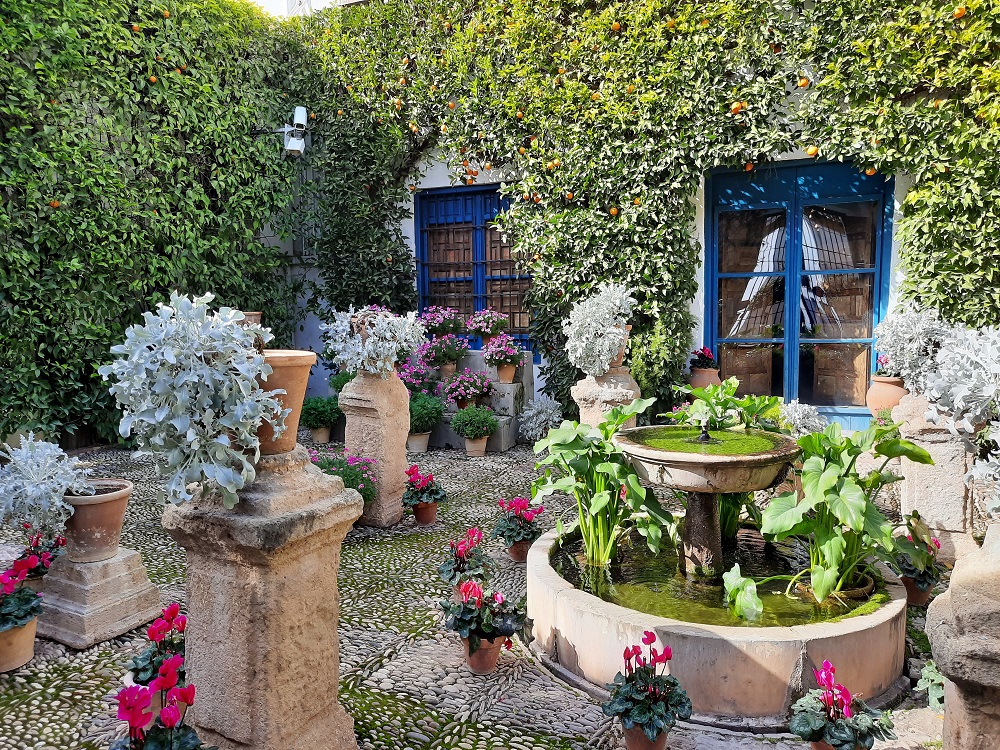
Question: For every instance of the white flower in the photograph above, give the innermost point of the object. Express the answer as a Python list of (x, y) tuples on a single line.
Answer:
[(595, 329)]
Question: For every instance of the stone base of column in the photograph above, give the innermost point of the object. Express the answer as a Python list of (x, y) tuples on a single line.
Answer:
[(597, 396), (86, 603), (701, 538), (263, 607)]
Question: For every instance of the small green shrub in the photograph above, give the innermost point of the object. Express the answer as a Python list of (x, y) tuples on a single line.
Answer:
[(320, 412), (338, 381), (474, 422), (425, 412), (357, 472)]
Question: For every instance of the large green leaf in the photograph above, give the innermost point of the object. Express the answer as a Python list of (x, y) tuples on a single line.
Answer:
[(823, 581), (903, 449), (784, 514), (847, 502)]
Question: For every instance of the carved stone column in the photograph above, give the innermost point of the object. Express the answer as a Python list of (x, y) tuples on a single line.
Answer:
[(597, 396)]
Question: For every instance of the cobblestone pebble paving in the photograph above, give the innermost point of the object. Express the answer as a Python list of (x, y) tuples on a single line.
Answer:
[(403, 677)]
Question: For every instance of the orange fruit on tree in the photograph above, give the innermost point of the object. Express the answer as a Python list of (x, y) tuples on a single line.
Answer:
[(475, 173), (630, 88), (616, 26), (613, 211), (158, 58), (166, 14), (469, 181), (595, 96), (444, 128), (938, 103), (812, 150), (748, 167), (521, 150), (54, 203), (135, 28), (671, 23), (519, 115), (152, 79), (569, 196), (736, 108), (488, 166), (398, 103), (637, 202), (177, 71), (402, 81), (704, 22), (870, 171), (184, 66), (412, 188), (537, 198), (451, 105), (465, 162), (562, 70), (959, 12), (803, 82)]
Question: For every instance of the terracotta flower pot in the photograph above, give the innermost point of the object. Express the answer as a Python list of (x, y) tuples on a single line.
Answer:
[(484, 661), (914, 596), (155, 700), (425, 513), (506, 373), (476, 447), (17, 646), (702, 377), (826, 746), (416, 442), (463, 403), (252, 318), (447, 370), (95, 528), (636, 739), (518, 551), (620, 357), (884, 393), (291, 374), (320, 434)]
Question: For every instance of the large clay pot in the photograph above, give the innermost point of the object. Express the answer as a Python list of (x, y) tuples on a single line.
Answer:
[(636, 739), (702, 377), (416, 442), (17, 646), (291, 374), (252, 318), (518, 551), (95, 528), (476, 447), (463, 403), (155, 700), (425, 513), (447, 370), (320, 434), (620, 357), (484, 661), (506, 373), (914, 596), (884, 393)]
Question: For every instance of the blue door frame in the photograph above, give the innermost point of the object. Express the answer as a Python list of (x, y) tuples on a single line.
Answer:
[(791, 186)]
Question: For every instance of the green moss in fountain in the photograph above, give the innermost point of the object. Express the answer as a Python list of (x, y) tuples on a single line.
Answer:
[(723, 443)]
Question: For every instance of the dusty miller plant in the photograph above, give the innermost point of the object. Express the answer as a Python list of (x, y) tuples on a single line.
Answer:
[(596, 328), (910, 338), (371, 340), (964, 392), (802, 419), (538, 417), (188, 384), (35, 480)]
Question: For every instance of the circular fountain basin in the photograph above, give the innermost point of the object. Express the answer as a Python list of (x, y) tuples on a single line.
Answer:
[(737, 677), (737, 460)]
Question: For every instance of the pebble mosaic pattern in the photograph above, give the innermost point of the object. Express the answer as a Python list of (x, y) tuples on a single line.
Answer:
[(403, 677)]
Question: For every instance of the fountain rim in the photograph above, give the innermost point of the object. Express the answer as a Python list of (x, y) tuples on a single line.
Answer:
[(785, 452)]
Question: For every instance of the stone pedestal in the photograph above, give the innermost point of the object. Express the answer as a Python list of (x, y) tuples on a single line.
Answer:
[(701, 538), (378, 421), (938, 491), (597, 396), (86, 603), (963, 625), (263, 607), (507, 399)]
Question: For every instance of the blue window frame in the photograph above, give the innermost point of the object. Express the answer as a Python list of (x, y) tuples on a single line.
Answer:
[(463, 260), (817, 236)]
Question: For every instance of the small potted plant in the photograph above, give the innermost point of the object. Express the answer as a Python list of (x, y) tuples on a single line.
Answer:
[(596, 330), (466, 561), (504, 353), (418, 376), (916, 561), (486, 324), (646, 699), (465, 388), (423, 495), (704, 368), (165, 730), (886, 389), (164, 656), (444, 352), (486, 621), (371, 341), (832, 719), (425, 412), (475, 424), (319, 414), (517, 527), (440, 321), (20, 606)]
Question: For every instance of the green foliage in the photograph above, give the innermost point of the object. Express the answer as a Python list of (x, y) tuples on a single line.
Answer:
[(425, 412), (19, 608), (811, 723), (474, 422), (357, 473), (318, 411), (932, 682), (487, 619), (342, 378)]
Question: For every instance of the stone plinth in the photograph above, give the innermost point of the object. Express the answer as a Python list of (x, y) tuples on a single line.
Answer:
[(963, 625), (378, 421), (597, 396), (263, 608), (507, 399), (86, 603), (938, 491)]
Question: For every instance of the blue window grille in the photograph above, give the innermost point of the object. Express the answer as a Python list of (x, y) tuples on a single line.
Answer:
[(814, 236)]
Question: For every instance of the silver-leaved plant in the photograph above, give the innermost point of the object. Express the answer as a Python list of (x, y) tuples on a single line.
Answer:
[(34, 482), (910, 338), (188, 382), (371, 340), (539, 416), (595, 328), (802, 419)]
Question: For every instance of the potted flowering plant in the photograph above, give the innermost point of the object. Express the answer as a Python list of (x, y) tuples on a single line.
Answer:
[(441, 320), (20, 606), (486, 324), (319, 414), (596, 330), (191, 372), (423, 495), (886, 389), (357, 472), (418, 376), (444, 352), (161, 661), (46, 545), (832, 719), (646, 699), (466, 560), (165, 731), (704, 368), (475, 424), (464, 388), (43, 487), (504, 353), (916, 561), (425, 412), (485, 620), (517, 526)]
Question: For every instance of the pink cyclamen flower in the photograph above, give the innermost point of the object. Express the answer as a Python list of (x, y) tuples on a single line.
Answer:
[(133, 706), (471, 591), (170, 715), (172, 610), (825, 675), (158, 630), (648, 637), (180, 623), (498, 598), (168, 677), (182, 694), (936, 542)]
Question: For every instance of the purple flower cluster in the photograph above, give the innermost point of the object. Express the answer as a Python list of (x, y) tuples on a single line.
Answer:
[(443, 349), (438, 320), (487, 322), (357, 472), (418, 376), (465, 386), (503, 350)]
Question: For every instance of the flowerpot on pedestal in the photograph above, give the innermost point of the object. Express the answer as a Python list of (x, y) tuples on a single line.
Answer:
[(290, 372), (416, 442), (17, 646), (506, 373), (476, 447), (425, 513), (484, 661), (94, 530), (884, 393)]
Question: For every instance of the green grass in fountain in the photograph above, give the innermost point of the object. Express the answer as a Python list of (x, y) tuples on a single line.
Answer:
[(724, 442), (652, 584)]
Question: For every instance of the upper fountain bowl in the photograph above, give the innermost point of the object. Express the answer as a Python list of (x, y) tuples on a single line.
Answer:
[(735, 460)]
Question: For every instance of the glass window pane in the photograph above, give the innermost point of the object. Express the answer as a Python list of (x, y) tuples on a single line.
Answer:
[(836, 306), (760, 368), (834, 374), (752, 308), (839, 236), (752, 241)]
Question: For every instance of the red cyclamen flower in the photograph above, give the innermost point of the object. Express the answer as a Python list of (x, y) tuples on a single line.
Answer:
[(133, 705)]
